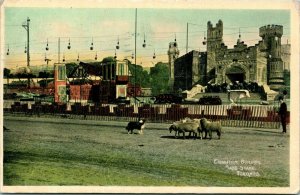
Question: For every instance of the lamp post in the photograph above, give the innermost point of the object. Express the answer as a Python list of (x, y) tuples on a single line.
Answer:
[(135, 55), (187, 35), (46, 72), (26, 26), (80, 70), (58, 50)]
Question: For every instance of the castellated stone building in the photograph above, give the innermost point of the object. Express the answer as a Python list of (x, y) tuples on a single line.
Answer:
[(261, 63), (190, 69)]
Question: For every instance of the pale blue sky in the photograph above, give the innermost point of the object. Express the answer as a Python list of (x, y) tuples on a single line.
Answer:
[(104, 26)]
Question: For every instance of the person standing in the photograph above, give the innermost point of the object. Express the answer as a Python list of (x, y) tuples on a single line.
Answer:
[(283, 114)]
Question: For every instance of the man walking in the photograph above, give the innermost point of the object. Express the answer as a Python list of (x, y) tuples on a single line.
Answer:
[(283, 114)]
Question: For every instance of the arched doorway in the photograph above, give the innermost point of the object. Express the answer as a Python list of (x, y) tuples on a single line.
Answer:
[(235, 73)]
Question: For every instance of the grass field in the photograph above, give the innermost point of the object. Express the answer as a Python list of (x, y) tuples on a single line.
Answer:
[(67, 152)]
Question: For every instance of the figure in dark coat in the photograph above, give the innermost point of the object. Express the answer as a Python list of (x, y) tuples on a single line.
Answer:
[(283, 114)]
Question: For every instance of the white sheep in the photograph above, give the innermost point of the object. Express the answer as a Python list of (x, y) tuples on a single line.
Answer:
[(209, 127), (191, 127), (186, 119), (196, 120), (173, 128), (177, 132)]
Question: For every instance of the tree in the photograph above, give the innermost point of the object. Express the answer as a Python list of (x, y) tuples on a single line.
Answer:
[(19, 76), (7, 74), (70, 67), (108, 59), (141, 78), (159, 75), (44, 74)]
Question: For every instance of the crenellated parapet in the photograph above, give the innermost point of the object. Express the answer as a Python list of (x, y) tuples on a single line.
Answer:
[(246, 54), (271, 30), (271, 46), (214, 43), (215, 32)]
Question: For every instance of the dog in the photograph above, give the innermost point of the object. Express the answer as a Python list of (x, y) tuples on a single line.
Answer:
[(139, 125)]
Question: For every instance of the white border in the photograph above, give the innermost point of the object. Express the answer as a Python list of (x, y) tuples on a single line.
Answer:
[(291, 5)]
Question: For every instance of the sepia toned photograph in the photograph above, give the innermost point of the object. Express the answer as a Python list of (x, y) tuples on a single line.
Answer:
[(149, 96)]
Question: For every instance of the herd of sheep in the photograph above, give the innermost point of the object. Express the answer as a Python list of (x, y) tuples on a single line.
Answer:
[(196, 128)]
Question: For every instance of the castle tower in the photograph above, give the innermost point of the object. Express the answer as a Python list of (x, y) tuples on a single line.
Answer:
[(173, 54), (286, 55), (214, 41), (271, 35)]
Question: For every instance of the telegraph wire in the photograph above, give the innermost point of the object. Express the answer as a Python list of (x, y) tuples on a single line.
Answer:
[(124, 38)]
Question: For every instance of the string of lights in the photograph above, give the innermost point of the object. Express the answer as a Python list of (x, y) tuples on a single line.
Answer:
[(99, 43), (54, 43), (128, 34)]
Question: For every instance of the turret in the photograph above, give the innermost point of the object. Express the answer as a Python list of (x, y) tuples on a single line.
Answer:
[(271, 35), (214, 42), (173, 54)]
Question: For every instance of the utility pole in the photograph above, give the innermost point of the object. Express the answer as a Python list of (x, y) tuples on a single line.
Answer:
[(135, 55), (46, 72), (58, 50), (187, 37), (26, 26)]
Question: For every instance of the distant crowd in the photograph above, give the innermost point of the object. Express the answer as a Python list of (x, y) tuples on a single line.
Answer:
[(252, 87)]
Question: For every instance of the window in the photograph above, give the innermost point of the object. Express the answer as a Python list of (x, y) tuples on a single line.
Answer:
[(62, 93), (62, 90), (121, 69), (61, 73)]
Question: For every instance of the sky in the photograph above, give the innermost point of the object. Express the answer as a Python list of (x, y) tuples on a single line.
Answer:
[(104, 27)]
